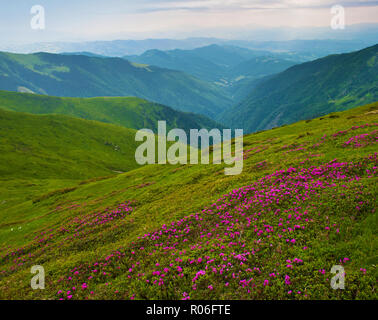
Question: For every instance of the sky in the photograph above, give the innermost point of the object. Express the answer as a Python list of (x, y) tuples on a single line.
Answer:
[(78, 20)]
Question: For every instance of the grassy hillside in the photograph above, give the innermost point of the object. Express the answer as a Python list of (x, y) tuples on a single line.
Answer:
[(128, 112), (306, 200), (333, 83), (62, 147), (84, 76)]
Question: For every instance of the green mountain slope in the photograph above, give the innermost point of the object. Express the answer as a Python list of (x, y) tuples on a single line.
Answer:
[(306, 201), (333, 83), (128, 112), (84, 76), (62, 147)]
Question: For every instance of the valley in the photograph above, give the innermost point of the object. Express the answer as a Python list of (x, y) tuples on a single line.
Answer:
[(219, 82)]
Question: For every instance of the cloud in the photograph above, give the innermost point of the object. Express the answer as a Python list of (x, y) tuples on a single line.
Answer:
[(221, 5), (105, 19)]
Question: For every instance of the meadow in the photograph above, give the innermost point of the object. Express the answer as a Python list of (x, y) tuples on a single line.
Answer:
[(305, 201)]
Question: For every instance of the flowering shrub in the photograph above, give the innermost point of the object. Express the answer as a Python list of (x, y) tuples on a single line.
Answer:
[(74, 229), (252, 151), (254, 242), (362, 140), (276, 237)]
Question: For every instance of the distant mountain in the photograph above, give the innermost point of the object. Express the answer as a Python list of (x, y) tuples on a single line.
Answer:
[(227, 56), (308, 90), (279, 42), (306, 50), (112, 48), (210, 63), (231, 68), (84, 76), (183, 60), (128, 112)]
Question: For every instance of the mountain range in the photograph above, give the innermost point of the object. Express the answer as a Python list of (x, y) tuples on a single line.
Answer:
[(85, 76), (304, 91), (228, 67), (234, 86), (330, 43)]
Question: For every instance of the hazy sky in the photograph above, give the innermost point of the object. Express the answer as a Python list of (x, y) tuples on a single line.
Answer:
[(112, 19)]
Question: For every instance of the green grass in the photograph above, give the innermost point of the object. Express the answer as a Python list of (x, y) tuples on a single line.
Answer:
[(161, 194), (62, 147)]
